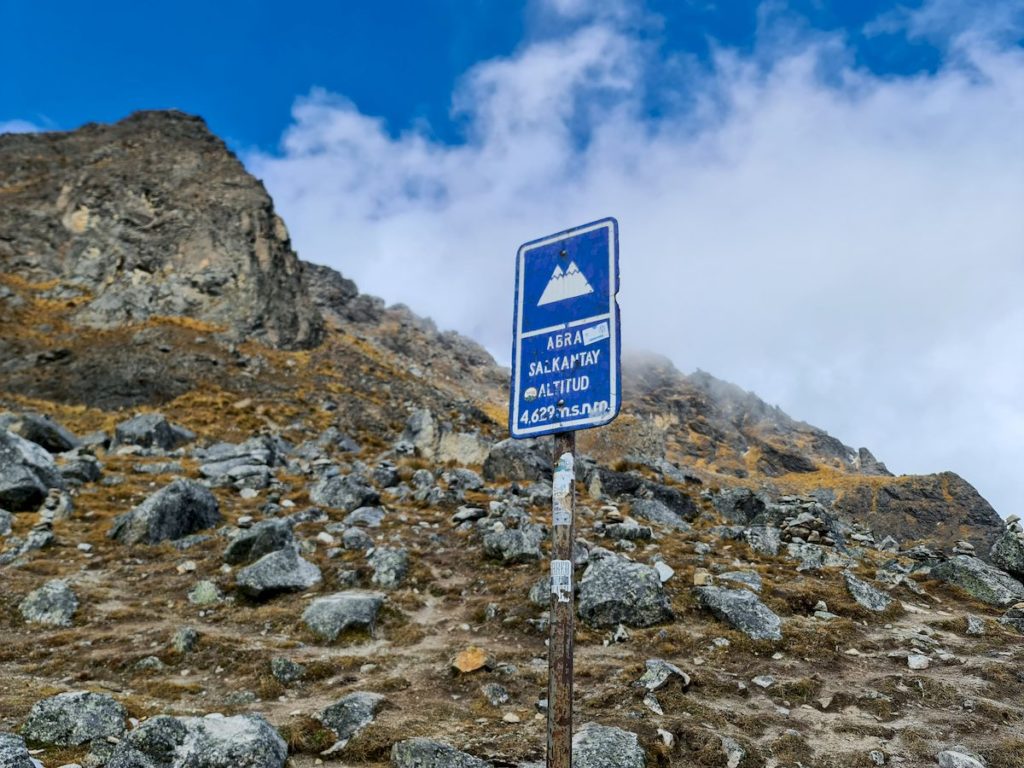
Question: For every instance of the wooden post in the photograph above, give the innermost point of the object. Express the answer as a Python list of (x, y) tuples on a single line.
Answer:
[(560, 643)]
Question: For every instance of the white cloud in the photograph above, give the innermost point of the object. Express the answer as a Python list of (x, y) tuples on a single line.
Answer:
[(18, 126), (848, 246)]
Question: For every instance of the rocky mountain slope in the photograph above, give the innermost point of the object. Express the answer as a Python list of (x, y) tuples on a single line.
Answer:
[(231, 484)]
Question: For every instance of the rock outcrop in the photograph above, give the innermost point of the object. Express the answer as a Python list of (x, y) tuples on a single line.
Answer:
[(152, 216)]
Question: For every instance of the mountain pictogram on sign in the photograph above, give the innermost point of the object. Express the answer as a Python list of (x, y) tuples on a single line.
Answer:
[(565, 285)]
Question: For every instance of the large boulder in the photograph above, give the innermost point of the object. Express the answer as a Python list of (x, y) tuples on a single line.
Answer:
[(243, 741), (424, 753), (151, 430), (27, 473), (390, 566), (980, 580), (742, 609), (866, 595), (277, 572), (617, 591), (600, 746), (54, 604), (518, 460), (347, 493), (331, 616), (515, 545), (349, 715), (41, 430), (1008, 552), (74, 718), (173, 512), (13, 752), (263, 538)]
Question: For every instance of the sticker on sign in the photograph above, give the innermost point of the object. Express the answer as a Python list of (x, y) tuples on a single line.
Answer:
[(565, 335)]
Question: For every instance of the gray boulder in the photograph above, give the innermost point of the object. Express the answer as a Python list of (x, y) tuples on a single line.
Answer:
[(515, 545), (742, 609), (347, 493), (54, 604), (41, 430), (599, 746), (518, 460), (78, 467), (277, 572), (368, 517), (285, 670), (959, 757), (738, 505), (616, 591), (6, 521), (1008, 552), (263, 538), (390, 566), (356, 538), (71, 719), (151, 430), (750, 579), (329, 617), (243, 741), (1014, 617), (424, 753), (980, 580), (173, 512), (765, 540), (655, 511), (27, 473), (349, 715), (13, 752), (866, 595)]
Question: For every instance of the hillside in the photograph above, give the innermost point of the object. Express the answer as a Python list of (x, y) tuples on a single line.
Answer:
[(318, 521)]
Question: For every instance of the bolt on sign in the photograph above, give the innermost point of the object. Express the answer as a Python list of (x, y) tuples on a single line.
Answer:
[(565, 340), (565, 377)]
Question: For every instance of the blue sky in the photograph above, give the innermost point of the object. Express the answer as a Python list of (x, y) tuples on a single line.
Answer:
[(241, 64), (819, 201)]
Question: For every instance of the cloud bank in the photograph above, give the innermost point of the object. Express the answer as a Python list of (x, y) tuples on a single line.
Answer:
[(847, 245)]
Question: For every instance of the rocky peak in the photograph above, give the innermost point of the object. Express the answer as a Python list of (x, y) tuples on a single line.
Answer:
[(151, 216)]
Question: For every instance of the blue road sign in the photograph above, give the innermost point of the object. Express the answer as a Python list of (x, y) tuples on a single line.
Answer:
[(565, 337)]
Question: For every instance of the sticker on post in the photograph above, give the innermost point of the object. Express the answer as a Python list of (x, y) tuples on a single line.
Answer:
[(561, 490), (561, 580)]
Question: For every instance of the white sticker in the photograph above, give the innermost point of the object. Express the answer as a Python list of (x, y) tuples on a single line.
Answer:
[(595, 333), (561, 580), (561, 490)]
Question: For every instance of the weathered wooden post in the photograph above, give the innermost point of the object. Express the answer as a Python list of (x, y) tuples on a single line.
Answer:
[(565, 377)]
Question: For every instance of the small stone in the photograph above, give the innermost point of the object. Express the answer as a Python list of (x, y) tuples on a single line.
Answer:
[(205, 593), (285, 670), (665, 572), (510, 717), (975, 625), (248, 493), (659, 673), (918, 661), (495, 694), (185, 640), (763, 681), (702, 577), (472, 659)]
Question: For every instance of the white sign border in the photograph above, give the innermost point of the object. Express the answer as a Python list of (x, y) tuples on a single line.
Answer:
[(609, 415)]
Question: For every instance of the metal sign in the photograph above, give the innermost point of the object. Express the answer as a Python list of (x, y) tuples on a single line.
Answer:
[(565, 338)]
